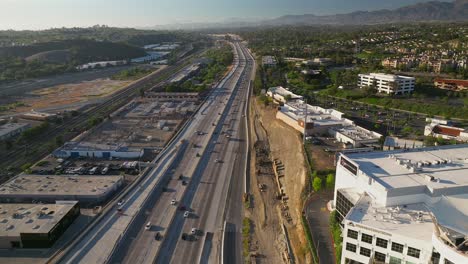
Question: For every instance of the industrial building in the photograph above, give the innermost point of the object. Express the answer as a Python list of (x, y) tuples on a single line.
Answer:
[(186, 73), (282, 95), (150, 56), (85, 189), (392, 143), (39, 116), (387, 83), (101, 64), (404, 206), (35, 225), (9, 130), (317, 121), (95, 150)]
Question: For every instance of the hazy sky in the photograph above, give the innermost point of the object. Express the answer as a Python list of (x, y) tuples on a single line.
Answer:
[(39, 14)]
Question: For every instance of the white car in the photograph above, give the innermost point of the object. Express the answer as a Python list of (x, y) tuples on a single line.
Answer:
[(194, 231), (173, 202), (148, 226), (121, 202), (186, 214)]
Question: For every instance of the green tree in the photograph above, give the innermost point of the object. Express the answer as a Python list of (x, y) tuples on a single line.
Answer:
[(330, 181), (317, 184)]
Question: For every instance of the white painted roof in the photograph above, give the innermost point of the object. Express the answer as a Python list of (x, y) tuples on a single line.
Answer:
[(392, 169)]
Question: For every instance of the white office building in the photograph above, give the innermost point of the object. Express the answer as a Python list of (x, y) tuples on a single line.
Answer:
[(387, 83), (404, 206), (282, 95)]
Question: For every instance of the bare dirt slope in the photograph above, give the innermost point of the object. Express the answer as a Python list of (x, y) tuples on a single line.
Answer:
[(286, 145), (283, 143)]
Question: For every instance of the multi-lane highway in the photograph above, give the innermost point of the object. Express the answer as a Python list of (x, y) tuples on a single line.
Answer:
[(188, 188)]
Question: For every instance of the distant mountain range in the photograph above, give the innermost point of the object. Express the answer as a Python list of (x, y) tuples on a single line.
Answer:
[(428, 11), (422, 12)]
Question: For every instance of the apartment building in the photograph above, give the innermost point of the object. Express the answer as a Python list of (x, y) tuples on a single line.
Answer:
[(404, 206), (387, 83), (451, 84)]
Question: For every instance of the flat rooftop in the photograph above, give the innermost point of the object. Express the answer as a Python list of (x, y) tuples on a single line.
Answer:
[(387, 76), (90, 146), (31, 218), (317, 115), (10, 127), (284, 92), (358, 133), (60, 185), (402, 143), (411, 220), (442, 170)]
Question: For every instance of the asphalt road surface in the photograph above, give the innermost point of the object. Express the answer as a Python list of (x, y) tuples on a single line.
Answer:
[(215, 155)]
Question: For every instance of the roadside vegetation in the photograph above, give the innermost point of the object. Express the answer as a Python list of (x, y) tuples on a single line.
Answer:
[(336, 234), (246, 237), (217, 62)]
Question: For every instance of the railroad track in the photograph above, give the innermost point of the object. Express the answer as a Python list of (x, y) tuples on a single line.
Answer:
[(73, 127)]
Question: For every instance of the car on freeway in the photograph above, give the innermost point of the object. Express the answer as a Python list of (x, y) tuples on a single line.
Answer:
[(157, 236), (148, 226), (194, 231), (186, 214), (173, 202), (121, 202)]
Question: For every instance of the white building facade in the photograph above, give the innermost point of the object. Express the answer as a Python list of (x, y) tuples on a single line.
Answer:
[(405, 206), (387, 83)]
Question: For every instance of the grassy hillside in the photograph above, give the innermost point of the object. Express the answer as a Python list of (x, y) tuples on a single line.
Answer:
[(22, 62)]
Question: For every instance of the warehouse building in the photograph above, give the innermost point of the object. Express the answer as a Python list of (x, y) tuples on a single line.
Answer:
[(99, 151), (387, 83), (39, 116), (9, 130), (35, 225), (85, 189), (404, 206)]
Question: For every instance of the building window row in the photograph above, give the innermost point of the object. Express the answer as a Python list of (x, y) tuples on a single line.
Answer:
[(366, 238), (383, 243), (351, 247), (365, 251), (397, 247), (413, 252), (380, 242)]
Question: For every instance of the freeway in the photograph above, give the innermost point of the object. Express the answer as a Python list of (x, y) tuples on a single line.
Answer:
[(206, 168), (120, 236)]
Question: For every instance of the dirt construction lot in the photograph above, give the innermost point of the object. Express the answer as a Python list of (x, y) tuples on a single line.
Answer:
[(67, 94), (269, 213)]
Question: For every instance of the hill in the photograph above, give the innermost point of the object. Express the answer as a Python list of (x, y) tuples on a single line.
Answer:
[(53, 56), (82, 50), (428, 11)]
